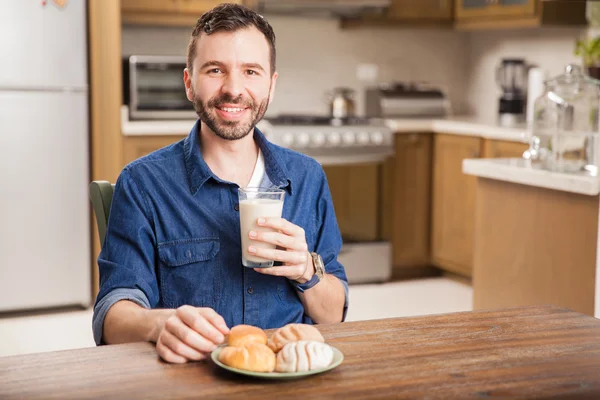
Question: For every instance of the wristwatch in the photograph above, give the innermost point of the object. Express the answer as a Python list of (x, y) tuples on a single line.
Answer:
[(317, 276)]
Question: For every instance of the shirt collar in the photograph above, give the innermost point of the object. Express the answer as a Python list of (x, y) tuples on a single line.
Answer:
[(198, 171)]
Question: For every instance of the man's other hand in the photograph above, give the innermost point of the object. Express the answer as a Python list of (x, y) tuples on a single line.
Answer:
[(190, 334)]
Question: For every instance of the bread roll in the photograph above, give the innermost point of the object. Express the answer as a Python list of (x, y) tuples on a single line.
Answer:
[(251, 357), (240, 335), (294, 333), (305, 355)]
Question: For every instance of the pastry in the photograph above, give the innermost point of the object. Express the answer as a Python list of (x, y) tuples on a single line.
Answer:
[(294, 333), (304, 355), (240, 335), (255, 357)]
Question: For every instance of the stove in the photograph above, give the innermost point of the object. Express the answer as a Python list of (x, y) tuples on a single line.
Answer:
[(333, 141), (344, 142)]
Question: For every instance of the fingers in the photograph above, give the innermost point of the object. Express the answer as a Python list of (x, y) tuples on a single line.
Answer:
[(215, 319), (167, 354), (280, 239), (287, 257), (282, 225), (203, 321), (190, 334), (291, 272), (177, 349)]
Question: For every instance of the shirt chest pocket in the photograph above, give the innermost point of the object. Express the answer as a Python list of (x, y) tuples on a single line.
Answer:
[(190, 272)]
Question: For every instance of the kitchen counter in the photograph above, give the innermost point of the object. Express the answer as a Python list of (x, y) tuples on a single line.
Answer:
[(455, 125), (515, 170), (468, 126)]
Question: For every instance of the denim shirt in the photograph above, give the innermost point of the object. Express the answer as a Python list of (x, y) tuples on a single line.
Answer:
[(173, 236)]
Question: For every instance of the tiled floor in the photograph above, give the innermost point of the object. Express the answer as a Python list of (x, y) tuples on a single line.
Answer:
[(67, 330)]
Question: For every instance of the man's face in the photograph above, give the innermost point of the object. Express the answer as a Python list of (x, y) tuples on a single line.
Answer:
[(231, 85)]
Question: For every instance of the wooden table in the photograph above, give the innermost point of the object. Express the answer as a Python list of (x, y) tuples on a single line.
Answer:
[(532, 352)]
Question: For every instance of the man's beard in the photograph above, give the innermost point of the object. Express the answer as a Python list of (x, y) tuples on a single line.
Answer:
[(230, 130)]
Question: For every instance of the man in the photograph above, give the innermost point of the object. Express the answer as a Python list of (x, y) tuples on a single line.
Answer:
[(170, 267)]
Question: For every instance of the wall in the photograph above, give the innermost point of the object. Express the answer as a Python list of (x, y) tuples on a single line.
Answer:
[(551, 49), (315, 55)]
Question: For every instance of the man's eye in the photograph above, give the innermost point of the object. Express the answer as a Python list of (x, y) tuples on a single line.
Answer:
[(214, 71), (252, 72)]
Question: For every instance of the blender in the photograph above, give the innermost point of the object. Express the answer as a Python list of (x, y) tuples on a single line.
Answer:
[(511, 76)]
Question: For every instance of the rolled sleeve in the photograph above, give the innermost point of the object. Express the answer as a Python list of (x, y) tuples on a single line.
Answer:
[(127, 259), (329, 238), (101, 308)]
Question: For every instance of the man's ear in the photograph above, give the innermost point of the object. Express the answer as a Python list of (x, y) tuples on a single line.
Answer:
[(273, 84), (187, 81)]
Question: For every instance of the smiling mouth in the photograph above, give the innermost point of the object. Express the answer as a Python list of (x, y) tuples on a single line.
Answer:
[(232, 110)]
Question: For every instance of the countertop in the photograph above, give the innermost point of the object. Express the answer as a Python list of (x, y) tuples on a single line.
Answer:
[(526, 352), (462, 125), (455, 125), (516, 170)]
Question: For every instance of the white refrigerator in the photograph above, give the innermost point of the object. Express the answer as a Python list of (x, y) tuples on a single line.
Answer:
[(45, 245)]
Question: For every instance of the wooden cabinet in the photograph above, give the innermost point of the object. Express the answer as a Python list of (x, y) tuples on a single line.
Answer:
[(453, 208), (492, 14), (168, 12), (503, 149), (355, 194), (420, 10), (406, 202), (150, 6), (198, 7), (135, 147), (412, 12), (495, 8), (534, 246)]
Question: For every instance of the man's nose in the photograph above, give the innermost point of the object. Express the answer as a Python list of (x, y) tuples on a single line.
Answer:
[(233, 85)]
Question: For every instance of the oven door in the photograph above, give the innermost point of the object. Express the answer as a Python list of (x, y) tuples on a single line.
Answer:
[(362, 210)]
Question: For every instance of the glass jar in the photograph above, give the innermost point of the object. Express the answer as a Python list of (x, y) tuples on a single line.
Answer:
[(565, 129)]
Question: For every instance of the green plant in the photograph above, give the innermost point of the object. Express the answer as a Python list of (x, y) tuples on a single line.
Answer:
[(589, 50)]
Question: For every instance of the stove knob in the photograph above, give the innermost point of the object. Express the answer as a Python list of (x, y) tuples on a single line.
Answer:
[(287, 140), (348, 138), (318, 139), (334, 139), (302, 139), (363, 138), (377, 138)]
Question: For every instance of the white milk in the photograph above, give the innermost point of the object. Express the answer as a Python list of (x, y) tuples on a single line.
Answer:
[(250, 211)]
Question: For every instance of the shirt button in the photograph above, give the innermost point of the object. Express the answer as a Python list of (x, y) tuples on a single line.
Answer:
[(250, 290), (237, 207)]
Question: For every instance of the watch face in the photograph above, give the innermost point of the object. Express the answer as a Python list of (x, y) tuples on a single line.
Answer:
[(319, 268)]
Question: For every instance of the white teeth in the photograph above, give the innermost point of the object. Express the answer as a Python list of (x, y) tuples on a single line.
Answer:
[(232, 110)]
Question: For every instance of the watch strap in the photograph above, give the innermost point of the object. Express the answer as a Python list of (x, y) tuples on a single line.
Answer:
[(316, 278)]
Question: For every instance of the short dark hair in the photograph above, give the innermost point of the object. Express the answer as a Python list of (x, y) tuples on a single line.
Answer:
[(230, 17)]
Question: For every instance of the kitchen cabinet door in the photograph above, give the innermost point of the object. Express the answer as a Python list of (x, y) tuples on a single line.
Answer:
[(406, 204), (503, 149), (420, 10), (135, 147), (495, 8), (168, 12), (154, 6), (453, 209), (198, 7), (355, 194)]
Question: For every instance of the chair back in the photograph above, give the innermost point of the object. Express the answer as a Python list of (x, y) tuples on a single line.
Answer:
[(101, 193)]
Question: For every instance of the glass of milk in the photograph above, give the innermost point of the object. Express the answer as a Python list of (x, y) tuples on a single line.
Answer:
[(257, 202)]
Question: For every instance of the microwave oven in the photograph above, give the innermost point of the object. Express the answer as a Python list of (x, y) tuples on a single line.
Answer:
[(153, 88)]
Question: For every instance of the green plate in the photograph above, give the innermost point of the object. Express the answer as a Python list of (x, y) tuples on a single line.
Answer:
[(338, 357)]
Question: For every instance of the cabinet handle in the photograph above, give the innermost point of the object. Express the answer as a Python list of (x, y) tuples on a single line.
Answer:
[(476, 154)]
